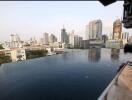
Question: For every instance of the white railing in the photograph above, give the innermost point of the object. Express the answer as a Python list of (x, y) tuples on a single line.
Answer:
[(104, 93)]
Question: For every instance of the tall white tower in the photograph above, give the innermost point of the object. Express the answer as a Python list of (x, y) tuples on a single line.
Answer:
[(46, 38), (95, 29)]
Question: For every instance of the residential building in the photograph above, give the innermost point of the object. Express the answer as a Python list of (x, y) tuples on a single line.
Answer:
[(117, 30), (45, 38), (15, 42), (87, 32), (14, 38), (77, 41), (33, 41), (80, 41), (71, 39), (64, 36), (52, 38), (18, 54), (95, 29), (125, 37), (113, 44), (97, 43), (85, 44)]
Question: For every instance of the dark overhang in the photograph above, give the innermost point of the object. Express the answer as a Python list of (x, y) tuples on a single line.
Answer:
[(107, 2), (127, 12)]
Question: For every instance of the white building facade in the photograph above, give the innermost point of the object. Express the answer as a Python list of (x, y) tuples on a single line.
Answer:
[(71, 39), (18, 55), (45, 38), (95, 29), (15, 42)]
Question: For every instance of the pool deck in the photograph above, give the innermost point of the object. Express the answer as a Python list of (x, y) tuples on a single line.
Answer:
[(121, 86)]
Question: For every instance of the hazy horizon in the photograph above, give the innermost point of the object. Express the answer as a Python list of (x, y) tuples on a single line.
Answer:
[(33, 18)]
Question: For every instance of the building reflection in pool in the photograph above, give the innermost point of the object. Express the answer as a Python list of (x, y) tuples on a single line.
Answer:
[(115, 54), (94, 54)]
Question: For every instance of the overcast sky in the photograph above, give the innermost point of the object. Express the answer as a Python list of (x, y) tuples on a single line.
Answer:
[(32, 18)]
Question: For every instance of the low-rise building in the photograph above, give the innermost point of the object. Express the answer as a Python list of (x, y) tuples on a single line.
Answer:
[(14, 44), (2, 53), (113, 44), (7, 52), (18, 54), (97, 43)]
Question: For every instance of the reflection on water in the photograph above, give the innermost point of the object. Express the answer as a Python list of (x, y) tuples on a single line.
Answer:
[(64, 56), (68, 76), (94, 54), (115, 54)]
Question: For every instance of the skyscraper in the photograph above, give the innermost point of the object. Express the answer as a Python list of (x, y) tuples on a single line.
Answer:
[(64, 36), (14, 38), (33, 41), (87, 32), (52, 38), (117, 29), (77, 41), (45, 38), (125, 35), (95, 29), (71, 38)]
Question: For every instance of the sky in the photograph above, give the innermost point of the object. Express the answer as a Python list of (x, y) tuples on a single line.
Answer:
[(33, 18)]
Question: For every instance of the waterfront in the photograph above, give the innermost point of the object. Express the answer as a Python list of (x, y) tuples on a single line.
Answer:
[(74, 75)]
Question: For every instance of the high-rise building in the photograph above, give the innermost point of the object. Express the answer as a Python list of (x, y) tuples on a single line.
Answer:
[(33, 41), (125, 37), (53, 38), (63, 33), (77, 41), (95, 29), (117, 30), (87, 32), (71, 39), (45, 38), (80, 41), (74, 40), (15, 42), (64, 36), (14, 38)]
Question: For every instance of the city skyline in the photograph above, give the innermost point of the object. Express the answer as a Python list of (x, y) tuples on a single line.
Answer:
[(29, 19)]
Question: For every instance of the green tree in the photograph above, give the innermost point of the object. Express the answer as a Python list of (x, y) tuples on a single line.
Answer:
[(1, 47), (5, 59), (36, 53)]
